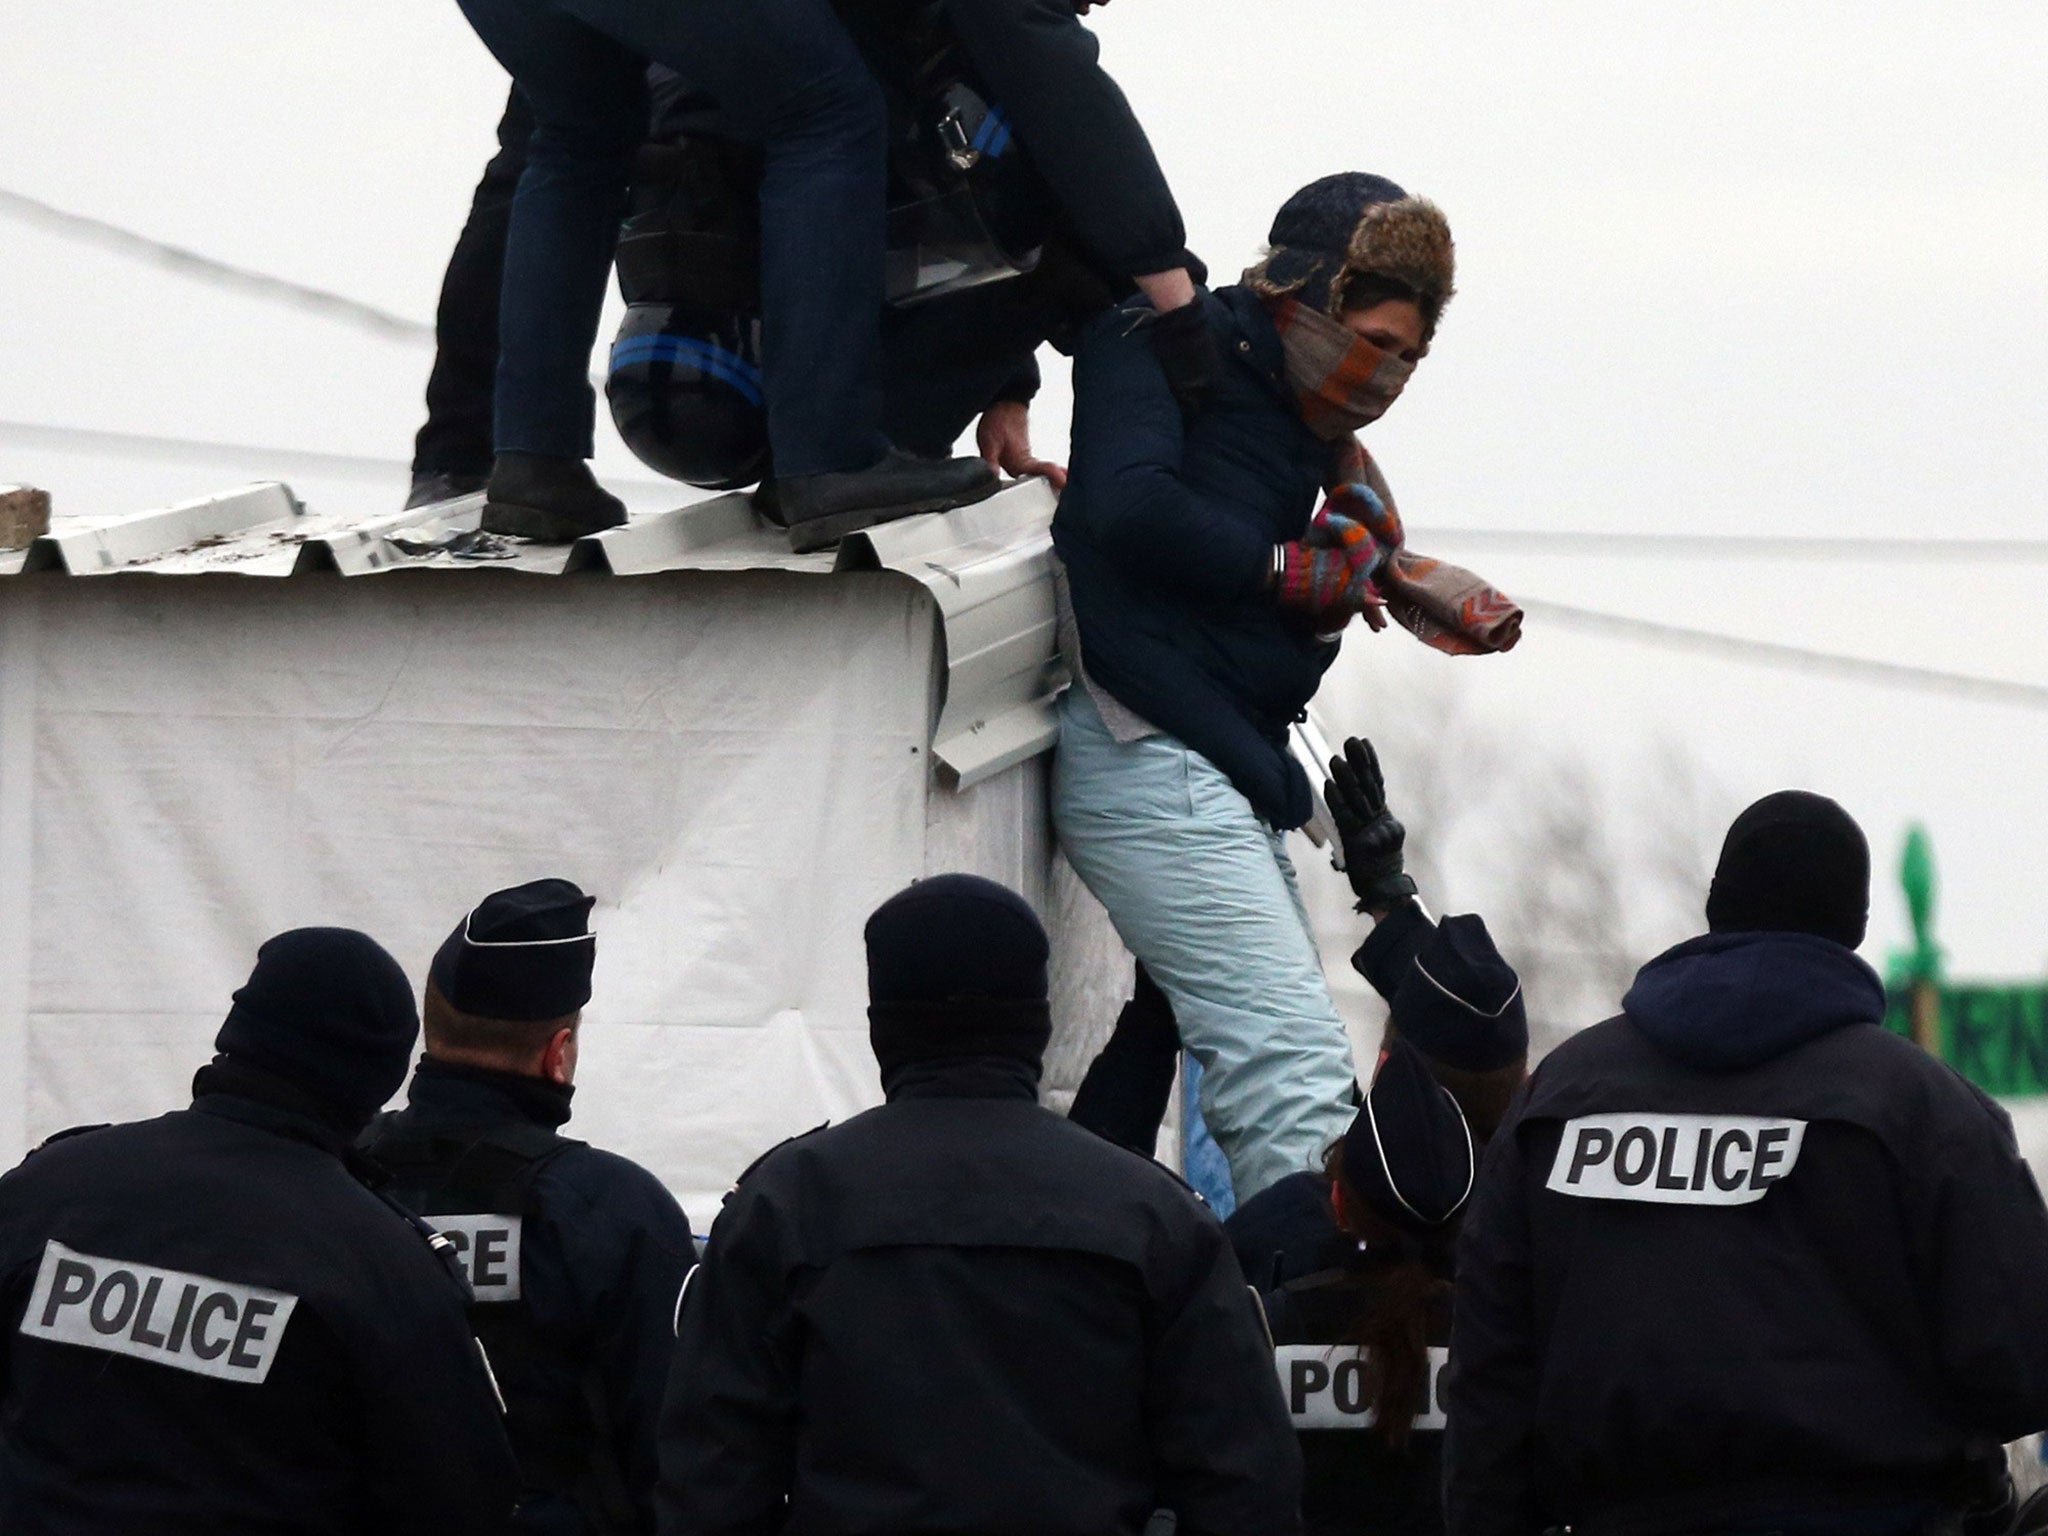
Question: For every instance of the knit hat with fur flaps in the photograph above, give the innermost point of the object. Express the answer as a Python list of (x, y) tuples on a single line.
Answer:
[(1356, 225)]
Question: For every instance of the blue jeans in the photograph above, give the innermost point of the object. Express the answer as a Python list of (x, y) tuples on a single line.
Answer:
[(1203, 893), (786, 76)]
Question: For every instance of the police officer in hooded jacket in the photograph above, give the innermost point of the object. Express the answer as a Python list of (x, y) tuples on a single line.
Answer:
[(209, 1325), (958, 1312), (1742, 1260), (575, 1256)]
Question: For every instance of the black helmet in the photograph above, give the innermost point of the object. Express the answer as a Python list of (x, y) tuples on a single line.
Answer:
[(967, 207), (686, 395)]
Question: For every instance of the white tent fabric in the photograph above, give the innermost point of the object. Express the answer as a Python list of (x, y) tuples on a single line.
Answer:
[(737, 765)]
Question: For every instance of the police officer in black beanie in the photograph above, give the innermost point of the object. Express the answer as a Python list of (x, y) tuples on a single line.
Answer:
[(208, 1324), (1739, 1259), (958, 1312), (575, 1256)]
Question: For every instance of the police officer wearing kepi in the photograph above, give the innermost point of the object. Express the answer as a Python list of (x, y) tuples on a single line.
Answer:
[(1360, 1346), (1741, 1260), (959, 1312), (576, 1256), (208, 1324), (1449, 993)]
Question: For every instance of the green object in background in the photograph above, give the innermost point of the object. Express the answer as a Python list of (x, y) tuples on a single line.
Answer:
[(1921, 963), (1996, 1036)]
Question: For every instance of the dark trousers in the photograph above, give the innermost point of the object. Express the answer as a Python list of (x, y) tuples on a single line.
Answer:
[(456, 439), (943, 362), (788, 78)]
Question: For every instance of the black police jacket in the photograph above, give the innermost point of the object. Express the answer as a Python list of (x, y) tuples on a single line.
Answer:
[(576, 1289), (958, 1312), (211, 1327), (1167, 528), (1354, 1481), (1740, 1255), (1043, 66)]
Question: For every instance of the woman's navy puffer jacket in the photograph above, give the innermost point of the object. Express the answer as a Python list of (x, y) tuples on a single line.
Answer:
[(1167, 528)]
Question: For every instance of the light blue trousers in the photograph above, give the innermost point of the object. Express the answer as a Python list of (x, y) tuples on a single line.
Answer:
[(1204, 894)]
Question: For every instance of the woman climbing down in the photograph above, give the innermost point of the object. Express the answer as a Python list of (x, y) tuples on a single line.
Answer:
[(1202, 600)]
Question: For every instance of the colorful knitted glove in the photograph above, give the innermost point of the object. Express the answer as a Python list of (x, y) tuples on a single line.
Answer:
[(1320, 572), (1357, 500)]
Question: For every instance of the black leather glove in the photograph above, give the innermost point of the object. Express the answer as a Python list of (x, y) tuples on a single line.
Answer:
[(1185, 349), (1372, 838)]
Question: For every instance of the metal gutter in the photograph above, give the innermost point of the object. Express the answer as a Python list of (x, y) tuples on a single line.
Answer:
[(989, 568)]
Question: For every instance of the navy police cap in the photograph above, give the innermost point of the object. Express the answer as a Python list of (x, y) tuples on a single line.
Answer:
[(1460, 1002), (524, 953), (1408, 1153)]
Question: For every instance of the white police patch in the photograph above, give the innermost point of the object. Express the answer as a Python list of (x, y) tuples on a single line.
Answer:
[(488, 1247), (189, 1322), (1324, 1385), (1675, 1159)]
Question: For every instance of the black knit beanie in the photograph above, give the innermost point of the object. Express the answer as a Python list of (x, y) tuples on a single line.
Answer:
[(329, 1010), (1793, 862), (957, 967)]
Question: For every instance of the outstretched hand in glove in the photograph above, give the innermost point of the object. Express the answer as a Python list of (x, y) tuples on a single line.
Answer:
[(1357, 796), (1328, 573)]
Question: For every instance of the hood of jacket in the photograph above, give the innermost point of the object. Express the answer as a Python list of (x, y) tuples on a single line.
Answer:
[(1729, 1001)]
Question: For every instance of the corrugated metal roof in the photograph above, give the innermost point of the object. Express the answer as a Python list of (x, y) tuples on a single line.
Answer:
[(988, 568)]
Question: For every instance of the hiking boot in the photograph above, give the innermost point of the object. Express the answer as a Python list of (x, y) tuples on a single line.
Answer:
[(548, 499), (820, 510), (439, 485)]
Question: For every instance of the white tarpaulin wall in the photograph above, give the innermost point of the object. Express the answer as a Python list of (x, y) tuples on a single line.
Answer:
[(736, 765)]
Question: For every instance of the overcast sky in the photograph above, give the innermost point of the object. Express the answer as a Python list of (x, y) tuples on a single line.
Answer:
[(1733, 268)]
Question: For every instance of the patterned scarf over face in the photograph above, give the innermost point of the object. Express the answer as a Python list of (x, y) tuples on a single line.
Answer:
[(1342, 381)]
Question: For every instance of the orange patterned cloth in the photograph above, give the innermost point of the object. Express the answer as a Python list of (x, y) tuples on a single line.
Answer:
[(1442, 605)]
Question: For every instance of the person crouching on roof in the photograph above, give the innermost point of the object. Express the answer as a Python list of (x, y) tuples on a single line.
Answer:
[(1202, 597)]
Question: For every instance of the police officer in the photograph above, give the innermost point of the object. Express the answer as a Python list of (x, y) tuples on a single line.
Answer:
[(788, 76), (792, 81), (945, 361), (1740, 1259), (1360, 1345), (1449, 994), (1454, 1000), (958, 1312), (576, 1256), (211, 1326)]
